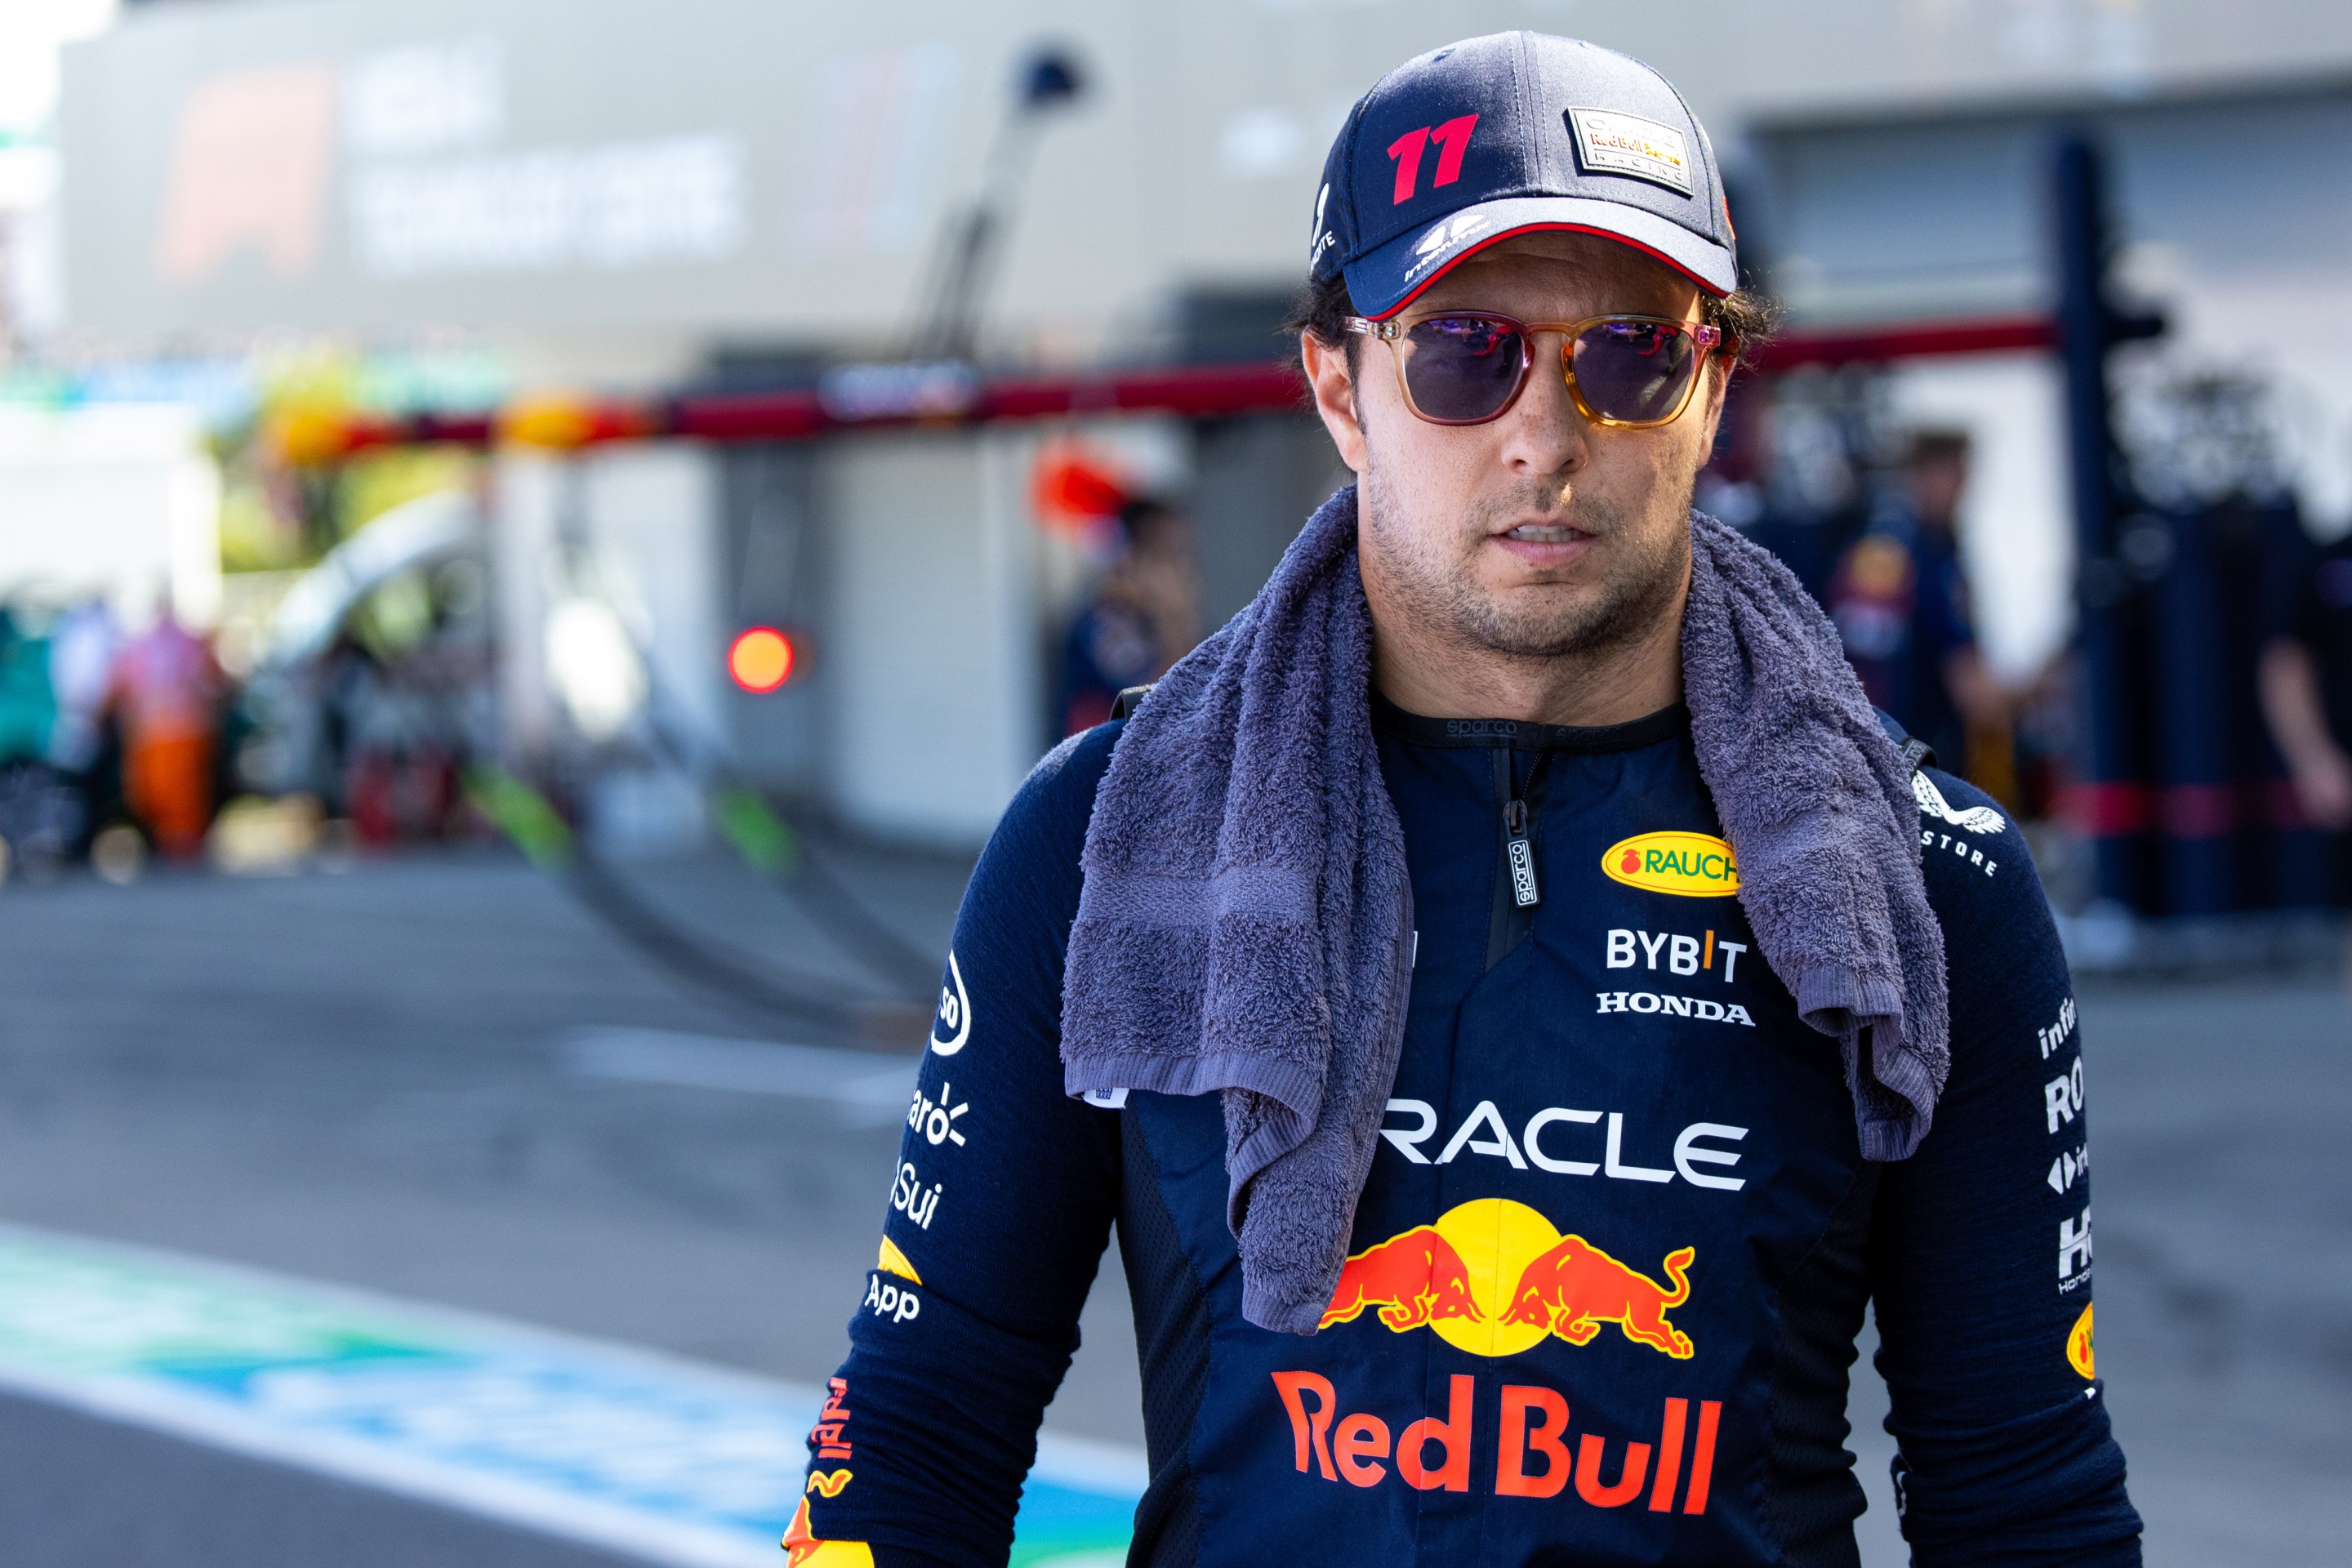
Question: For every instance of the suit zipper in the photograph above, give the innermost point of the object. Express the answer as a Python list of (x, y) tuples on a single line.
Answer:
[(1516, 889), (1521, 854)]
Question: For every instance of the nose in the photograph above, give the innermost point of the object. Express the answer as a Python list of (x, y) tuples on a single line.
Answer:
[(1545, 434)]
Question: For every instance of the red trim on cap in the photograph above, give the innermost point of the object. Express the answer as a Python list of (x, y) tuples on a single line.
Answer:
[(1548, 228)]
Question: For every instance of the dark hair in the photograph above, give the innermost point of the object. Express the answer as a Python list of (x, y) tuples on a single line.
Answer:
[(1930, 447), (1747, 318), (1144, 516)]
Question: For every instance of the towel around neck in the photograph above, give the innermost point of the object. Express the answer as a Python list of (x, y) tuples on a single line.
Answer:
[(1244, 920)]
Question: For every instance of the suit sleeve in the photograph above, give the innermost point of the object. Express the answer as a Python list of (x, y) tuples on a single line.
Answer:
[(999, 1209), (1981, 1242)]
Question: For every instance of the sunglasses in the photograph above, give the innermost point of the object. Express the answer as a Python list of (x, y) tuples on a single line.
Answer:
[(1466, 367)]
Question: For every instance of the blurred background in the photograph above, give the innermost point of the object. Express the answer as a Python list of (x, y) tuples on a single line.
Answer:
[(537, 538)]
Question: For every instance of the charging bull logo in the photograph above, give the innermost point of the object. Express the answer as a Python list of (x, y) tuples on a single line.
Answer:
[(1575, 1288), (1413, 1279), (1495, 1278)]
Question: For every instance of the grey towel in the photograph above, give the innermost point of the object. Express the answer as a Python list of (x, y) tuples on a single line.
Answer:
[(1244, 920), (1244, 923), (1817, 807)]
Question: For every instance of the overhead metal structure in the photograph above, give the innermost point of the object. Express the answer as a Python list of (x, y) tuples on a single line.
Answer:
[(951, 395)]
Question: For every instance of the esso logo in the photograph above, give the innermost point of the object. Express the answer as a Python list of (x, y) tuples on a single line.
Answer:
[(952, 1026)]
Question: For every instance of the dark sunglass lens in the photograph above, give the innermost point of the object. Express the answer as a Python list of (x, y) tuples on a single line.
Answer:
[(1635, 370), (1461, 367)]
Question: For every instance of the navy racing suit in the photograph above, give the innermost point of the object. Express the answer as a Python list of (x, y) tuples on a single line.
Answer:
[(1610, 1264)]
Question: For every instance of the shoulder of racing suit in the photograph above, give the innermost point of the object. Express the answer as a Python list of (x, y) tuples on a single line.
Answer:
[(1975, 862)]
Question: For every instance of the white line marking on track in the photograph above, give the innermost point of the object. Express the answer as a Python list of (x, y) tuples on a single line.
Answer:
[(869, 1089)]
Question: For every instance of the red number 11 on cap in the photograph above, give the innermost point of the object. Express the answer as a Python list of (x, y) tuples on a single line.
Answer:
[(1453, 140)]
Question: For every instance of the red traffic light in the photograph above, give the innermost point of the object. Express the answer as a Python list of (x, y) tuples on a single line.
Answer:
[(761, 659)]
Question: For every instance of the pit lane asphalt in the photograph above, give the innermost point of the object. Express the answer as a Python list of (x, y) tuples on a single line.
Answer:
[(358, 1077)]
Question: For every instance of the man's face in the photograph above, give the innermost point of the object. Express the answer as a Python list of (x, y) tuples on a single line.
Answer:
[(1935, 485), (1540, 533)]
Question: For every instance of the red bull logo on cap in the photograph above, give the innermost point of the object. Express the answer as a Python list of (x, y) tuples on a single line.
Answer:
[(1495, 1278)]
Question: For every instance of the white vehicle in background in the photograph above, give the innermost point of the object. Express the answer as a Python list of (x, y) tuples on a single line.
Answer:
[(372, 682)]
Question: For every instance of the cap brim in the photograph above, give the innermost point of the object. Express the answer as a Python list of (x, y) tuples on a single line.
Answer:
[(1383, 281)]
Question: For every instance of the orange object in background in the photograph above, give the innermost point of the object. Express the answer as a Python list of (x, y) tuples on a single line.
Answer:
[(562, 422), (164, 686), (313, 434), (761, 659), (168, 781)]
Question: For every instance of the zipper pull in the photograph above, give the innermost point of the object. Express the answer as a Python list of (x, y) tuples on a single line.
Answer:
[(1522, 855)]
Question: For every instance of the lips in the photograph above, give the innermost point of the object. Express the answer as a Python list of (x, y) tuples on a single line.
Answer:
[(1543, 544)]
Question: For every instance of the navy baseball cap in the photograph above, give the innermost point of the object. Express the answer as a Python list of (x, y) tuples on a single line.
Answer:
[(1515, 133)]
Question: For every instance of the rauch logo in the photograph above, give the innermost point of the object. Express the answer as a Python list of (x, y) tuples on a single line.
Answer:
[(1691, 865)]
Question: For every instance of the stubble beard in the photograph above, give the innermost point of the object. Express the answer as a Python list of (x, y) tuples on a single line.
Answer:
[(1431, 582)]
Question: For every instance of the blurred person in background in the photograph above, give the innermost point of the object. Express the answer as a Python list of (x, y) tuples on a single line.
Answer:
[(350, 676), (37, 810), (82, 646), (166, 690), (1744, 487), (27, 707), (1900, 600), (2305, 678), (1145, 615), (83, 745)]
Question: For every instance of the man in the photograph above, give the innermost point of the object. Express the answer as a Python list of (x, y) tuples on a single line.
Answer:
[(165, 688), (1144, 615), (2305, 678), (1901, 602), (1612, 1243)]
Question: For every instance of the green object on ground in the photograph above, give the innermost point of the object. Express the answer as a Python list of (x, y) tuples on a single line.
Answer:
[(523, 815), (758, 833)]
